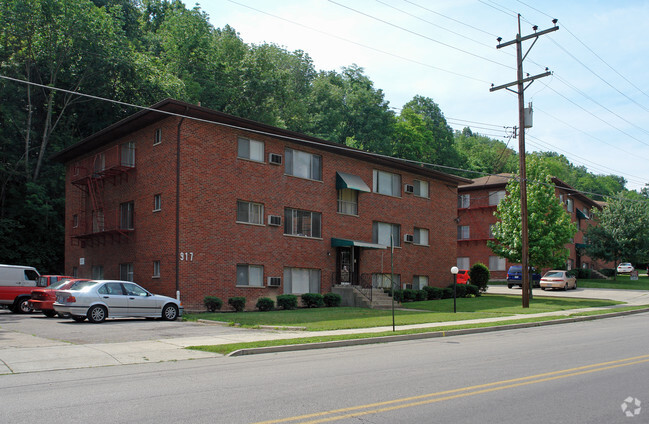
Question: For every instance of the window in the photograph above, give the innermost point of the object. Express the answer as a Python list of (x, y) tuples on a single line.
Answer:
[(75, 272), (569, 205), (303, 164), (382, 231), (348, 201), (421, 236), (75, 220), (463, 232), (302, 223), (419, 282), (387, 183), (570, 264), (491, 230), (126, 272), (128, 154), (301, 280), (463, 201), (156, 269), (463, 262), (100, 162), (250, 275), (157, 136), (114, 289), (97, 221), (251, 213), (496, 263), (126, 216), (97, 272), (421, 188), (250, 149), (495, 197), (385, 280), (157, 202)]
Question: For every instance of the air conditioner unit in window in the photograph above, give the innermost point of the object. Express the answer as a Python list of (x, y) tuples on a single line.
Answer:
[(274, 220), (408, 238), (409, 188), (274, 281), (274, 158)]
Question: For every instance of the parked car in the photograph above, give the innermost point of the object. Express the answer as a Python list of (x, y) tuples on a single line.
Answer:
[(625, 268), (43, 299), (16, 285), (558, 279), (515, 277), (48, 280), (463, 276), (101, 299)]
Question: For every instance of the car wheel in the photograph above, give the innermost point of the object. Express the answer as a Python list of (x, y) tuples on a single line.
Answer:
[(565, 288), (543, 288), (170, 312), (49, 313), (509, 286), (79, 319), (22, 306), (97, 314), (575, 287)]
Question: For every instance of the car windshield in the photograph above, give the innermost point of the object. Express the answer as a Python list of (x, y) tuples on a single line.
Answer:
[(515, 269), (555, 274), (625, 264)]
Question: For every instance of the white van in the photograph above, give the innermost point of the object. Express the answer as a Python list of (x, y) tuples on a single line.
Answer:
[(16, 285)]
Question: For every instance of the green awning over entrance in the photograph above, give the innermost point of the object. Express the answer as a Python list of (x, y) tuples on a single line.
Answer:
[(337, 242), (581, 215), (353, 182)]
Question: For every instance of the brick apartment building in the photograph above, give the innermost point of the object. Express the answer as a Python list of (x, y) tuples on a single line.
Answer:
[(477, 203), (192, 202)]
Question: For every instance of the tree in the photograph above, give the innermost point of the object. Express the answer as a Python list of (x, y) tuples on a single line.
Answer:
[(549, 225), (484, 154), (621, 232)]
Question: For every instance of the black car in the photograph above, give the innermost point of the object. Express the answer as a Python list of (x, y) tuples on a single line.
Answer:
[(515, 277)]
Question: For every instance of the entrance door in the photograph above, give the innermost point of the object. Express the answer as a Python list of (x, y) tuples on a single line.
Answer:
[(347, 263)]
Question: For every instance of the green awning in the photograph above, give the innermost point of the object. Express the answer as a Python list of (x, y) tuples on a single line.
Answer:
[(581, 215), (338, 242), (353, 182), (580, 245)]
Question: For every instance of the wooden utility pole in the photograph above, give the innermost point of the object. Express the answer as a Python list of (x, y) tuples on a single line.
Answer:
[(520, 83)]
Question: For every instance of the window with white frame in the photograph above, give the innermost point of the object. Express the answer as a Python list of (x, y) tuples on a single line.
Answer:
[(496, 263), (156, 269), (421, 188), (463, 201), (348, 201), (157, 202), (495, 197), (463, 232), (303, 164), (385, 280), (157, 136), (250, 213), (126, 272), (381, 232), (463, 262), (250, 275), (569, 204), (421, 236), (419, 282), (128, 154), (386, 183), (250, 149), (126, 211), (302, 223), (301, 280)]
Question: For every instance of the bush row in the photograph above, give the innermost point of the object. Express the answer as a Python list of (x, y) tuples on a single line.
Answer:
[(284, 301), (434, 293)]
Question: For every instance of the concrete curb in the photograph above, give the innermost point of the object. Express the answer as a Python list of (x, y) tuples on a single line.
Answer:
[(429, 335)]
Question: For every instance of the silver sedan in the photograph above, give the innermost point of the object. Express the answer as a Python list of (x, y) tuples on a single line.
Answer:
[(101, 299)]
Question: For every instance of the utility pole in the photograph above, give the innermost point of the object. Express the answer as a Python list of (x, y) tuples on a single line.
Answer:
[(520, 83)]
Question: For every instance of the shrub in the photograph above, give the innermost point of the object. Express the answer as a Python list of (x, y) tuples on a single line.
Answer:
[(479, 275), (433, 293), (460, 288), (398, 295), (265, 304), (313, 300), (287, 301), (409, 295), (421, 295), (212, 303), (472, 289), (238, 303), (447, 293), (332, 300)]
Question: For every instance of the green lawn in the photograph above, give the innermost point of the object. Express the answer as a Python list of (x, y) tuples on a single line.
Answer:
[(320, 319)]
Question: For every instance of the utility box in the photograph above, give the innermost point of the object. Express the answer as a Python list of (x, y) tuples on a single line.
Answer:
[(527, 113)]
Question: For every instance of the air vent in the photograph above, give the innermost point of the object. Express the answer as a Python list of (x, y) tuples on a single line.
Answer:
[(275, 159), (274, 281), (408, 238), (409, 188), (274, 220)]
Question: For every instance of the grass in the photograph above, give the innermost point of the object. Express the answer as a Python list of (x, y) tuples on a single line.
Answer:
[(320, 319), (225, 349)]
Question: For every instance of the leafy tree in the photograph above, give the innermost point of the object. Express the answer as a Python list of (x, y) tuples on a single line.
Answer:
[(621, 233), (484, 154), (549, 225)]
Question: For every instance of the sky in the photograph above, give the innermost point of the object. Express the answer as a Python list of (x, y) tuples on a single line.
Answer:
[(593, 109)]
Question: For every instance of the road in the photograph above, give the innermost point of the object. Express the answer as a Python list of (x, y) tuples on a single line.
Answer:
[(572, 373)]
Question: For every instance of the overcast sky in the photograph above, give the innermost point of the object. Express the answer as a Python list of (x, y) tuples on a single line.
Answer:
[(594, 109)]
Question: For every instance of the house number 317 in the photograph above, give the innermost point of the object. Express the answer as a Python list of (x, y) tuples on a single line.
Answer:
[(187, 256)]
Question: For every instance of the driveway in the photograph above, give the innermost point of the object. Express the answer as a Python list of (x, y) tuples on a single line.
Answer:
[(632, 297)]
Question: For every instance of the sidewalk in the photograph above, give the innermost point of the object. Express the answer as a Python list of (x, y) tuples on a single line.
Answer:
[(20, 353)]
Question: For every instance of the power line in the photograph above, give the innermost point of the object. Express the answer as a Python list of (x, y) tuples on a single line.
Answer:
[(451, 19)]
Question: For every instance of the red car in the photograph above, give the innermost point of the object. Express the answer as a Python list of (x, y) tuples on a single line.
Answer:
[(463, 276), (48, 280), (43, 299)]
